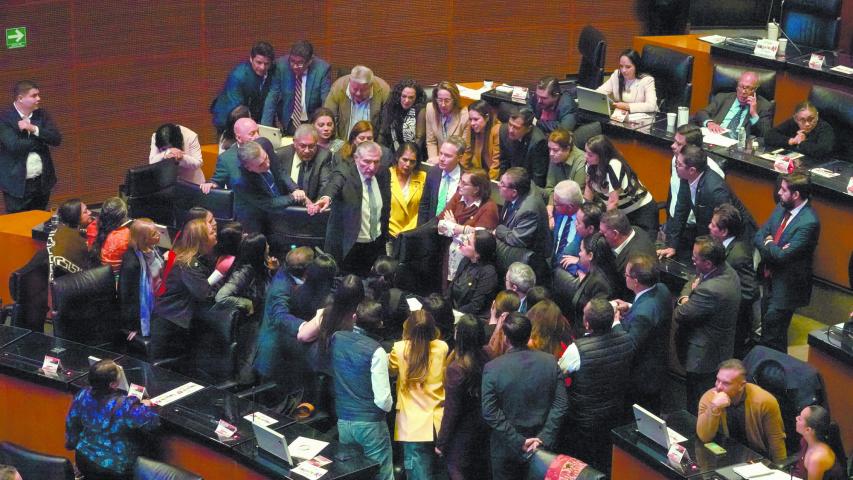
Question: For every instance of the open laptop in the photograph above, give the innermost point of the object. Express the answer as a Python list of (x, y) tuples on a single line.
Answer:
[(272, 442), (593, 101), (272, 134), (655, 429)]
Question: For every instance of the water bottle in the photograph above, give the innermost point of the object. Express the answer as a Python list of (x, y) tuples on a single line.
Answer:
[(741, 138)]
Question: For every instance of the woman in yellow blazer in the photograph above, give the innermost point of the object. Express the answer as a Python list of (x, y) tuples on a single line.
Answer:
[(407, 186), (445, 116), (419, 361)]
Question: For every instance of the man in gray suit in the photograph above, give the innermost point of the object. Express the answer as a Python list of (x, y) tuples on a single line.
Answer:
[(706, 315), (741, 108), (305, 166)]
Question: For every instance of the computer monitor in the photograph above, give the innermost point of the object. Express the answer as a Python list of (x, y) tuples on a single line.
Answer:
[(272, 442)]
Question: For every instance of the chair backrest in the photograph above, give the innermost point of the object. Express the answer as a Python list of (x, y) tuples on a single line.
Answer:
[(147, 469), (188, 195), (301, 229), (593, 50), (673, 73), (836, 107), (86, 307), (32, 464), (28, 287), (585, 132), (214, 352), (813, 23), (726, 77), (149, 191)]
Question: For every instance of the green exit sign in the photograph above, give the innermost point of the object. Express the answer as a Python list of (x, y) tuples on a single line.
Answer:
[(16, 37)]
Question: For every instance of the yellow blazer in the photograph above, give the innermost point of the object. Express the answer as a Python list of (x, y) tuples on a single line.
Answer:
[(419, 407), (404, 209)]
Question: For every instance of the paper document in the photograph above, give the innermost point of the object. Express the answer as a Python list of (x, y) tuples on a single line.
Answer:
[(259, 418), (176, 394), (759, 470), (306, 448), (470, 93), (842, 69), (717, 139), (414, 304), (713, 39)]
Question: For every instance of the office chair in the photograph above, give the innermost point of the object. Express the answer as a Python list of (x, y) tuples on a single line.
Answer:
[(543, 461), (813, 23), (148, 191), (725, 79), (836, 107), (673, 73), (147, 469), (593, 49), (187, 195), (28, 287), (85, 306), (32, 464)]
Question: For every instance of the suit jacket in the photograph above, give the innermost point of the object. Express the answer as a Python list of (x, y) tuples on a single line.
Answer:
[(419, 410), (405, 208), (706, 322), (435, 132), (345, 191), (711, 192), (16, 145), (429, 198), (279, 101), (243, 87), (227, 171), (527, 226), (252, 189), (523, 396), (340, 104), (566, 111), (789, 262), (739, 255), (647, 323), (574, 168), (316, 174), (473, 288), (640, 244), (721, 103), (819, 143), (593, 285), (531, 152)]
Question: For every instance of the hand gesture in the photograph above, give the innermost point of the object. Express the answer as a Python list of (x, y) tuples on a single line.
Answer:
[(721, 400), (568, 260), (24, 124), (298, 196), (714, 127), (205, 187), (622, 106), (621, 306), (667, 252), (799, 138), (752, 101), (531, 444), (320, 205)]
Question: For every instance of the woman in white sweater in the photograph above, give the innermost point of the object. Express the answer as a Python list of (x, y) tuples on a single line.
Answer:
[(630, 88), (179, 143)]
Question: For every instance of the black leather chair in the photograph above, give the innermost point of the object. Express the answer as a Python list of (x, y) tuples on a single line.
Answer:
[(147, 469), (585, 132), (673, 72), (188, 195), (593, 50), (148, 191), (28, 287), (213, 356), (85, 306), (32, 464), (813, 23), (836, 107), (542, 460), (726, 77), (295, 227)]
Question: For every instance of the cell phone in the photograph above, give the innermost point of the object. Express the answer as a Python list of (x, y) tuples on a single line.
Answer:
[(716, 449)]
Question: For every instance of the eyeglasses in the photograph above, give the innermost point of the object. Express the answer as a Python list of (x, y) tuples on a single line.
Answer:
[(745, 88), (444, 101)]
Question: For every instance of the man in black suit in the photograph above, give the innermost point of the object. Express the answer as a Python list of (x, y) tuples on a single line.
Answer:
[(706, 315), (524, 400), (524, 220), (26, 134), (647, 323), (442, 180), (787, 244), (626, 242), (524, 145), (359, 194), (701, 191), (743, 107), (305, 166), (727, 228)]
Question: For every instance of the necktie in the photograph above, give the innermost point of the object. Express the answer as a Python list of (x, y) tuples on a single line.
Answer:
[(445, 120), (374, 209), (270, 181), (300, 178), (442, 193), (562, 236), (508, 209), (296, 116), (778, 234), (735, 122)]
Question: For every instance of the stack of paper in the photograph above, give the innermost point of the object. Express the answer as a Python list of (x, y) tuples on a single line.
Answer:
[(713, 39), (717, 139), (759, 470)]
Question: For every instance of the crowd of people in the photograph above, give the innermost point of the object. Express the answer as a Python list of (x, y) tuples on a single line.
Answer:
[(547, 352)]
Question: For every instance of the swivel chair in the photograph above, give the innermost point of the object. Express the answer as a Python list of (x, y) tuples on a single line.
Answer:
[(836, 107), (147, 469), (593, 50), (32, 464), (813, 23), (673, 73)]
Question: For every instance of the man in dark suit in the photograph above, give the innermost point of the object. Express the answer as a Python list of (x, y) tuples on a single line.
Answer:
[(227, 171), (706, 315), (523, 145), (442, 180), (743, 107), (787, 244), (552, 108), (359, 194), (524, 220), (701, 191), (305, 166), (26, 134), (647, 322), (626, 242), (300, 84), (248, 84), (524, 401), (727, 228)]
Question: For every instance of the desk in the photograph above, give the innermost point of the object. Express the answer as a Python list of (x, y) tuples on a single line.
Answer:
[(209, 154), (835, 364), (637, 457), (17, 244)]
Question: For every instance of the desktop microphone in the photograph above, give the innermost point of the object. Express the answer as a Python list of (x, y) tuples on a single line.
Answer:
[(781, 14)]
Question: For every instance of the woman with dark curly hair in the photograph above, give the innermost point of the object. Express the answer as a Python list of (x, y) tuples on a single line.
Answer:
[(402, 117), (109, 237)]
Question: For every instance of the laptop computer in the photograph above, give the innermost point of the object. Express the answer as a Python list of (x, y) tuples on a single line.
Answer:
[(272, 134), (272, 442), (655, 429), (593, 101)]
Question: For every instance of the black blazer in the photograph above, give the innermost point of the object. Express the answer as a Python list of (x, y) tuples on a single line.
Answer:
[(16, 145), (531, 152), (721, 103), (593, 285), (739, 256), (647, 323), (316, 174), (473, 288), (345, 191), (429, 197), (187, 292), (640, 244)]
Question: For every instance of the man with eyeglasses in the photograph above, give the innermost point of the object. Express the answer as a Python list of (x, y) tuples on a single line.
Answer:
[(299, 86), (744, 107), (305, 166)]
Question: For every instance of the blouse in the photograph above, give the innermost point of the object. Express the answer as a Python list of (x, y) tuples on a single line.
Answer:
[(103, 431), (191, 161), (67, 250), (639, 93), (632, 193), (474, 157)]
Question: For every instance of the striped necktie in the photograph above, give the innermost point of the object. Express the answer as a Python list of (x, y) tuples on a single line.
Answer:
[(296, 116)]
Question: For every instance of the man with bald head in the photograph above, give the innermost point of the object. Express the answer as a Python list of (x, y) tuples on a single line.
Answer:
[(355, 97), (227, 167), (743, 107)]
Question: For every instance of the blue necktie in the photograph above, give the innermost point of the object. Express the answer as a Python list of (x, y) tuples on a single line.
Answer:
[(270, 181)]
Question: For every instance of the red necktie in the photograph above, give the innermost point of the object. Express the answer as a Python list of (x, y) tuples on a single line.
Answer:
[(782, 226)]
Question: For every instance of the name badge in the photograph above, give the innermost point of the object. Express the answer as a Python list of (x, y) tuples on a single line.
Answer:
[(766, 48), (51, 364), (225, 429), (816, 61), (137, 391)]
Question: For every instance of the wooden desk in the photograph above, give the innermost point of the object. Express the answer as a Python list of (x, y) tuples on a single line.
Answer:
[(209, 154), (17, 244), (836, 367)]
